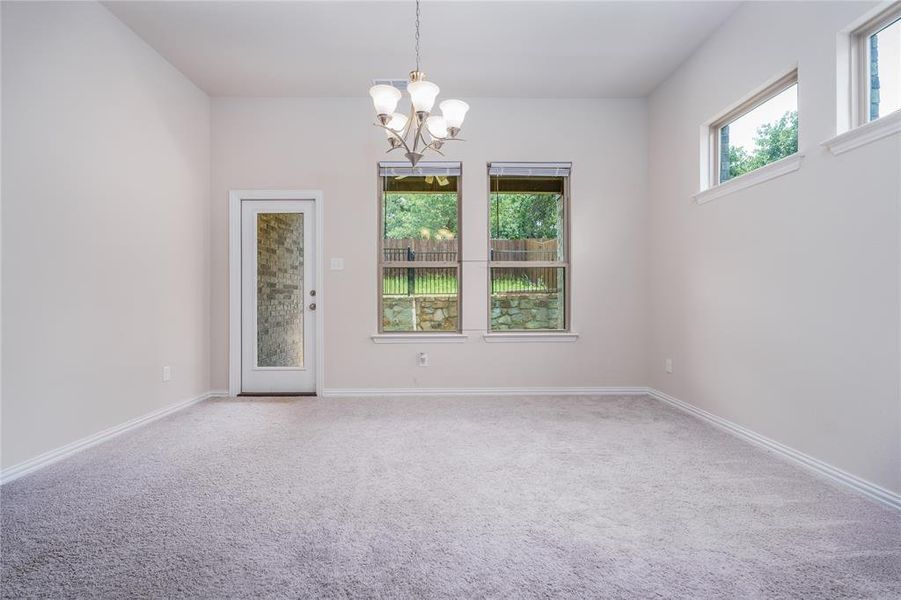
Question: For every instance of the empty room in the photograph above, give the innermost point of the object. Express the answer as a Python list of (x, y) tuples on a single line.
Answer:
[(450, 299)]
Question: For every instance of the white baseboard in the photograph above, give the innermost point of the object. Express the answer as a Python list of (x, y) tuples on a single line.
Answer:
[(47, 458), (486, 391), (810, 463)]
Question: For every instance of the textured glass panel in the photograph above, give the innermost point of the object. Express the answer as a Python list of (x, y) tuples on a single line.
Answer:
[(760, 136), (419, 299), (527, 218), (280, 290), (527, 298), (885, 71)]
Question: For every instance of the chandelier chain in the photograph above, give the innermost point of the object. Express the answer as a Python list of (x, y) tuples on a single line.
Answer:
[(417, 35)]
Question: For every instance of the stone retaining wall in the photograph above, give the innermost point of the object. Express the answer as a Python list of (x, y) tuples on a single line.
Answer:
[(526, 311), (439, 313), (429, 313)]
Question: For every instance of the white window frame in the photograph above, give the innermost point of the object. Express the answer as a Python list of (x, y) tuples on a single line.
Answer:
[(564, 334), (745, 106), (383, 264), (860, 63)]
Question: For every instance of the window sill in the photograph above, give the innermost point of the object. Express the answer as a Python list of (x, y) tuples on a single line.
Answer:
[(528, 336), (418, 338), (773, 170), (860, 136)]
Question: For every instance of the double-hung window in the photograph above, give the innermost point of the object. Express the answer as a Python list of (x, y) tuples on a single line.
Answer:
[(419, 247), (529, 261), (876, 54), (760, 130)]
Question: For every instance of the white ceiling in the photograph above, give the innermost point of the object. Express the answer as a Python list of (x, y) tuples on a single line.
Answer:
[(471, 49)]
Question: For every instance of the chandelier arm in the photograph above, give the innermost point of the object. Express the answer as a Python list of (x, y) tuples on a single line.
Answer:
[(418, 136), (409, 124), (425, 143), (395, 134), (433, 149)]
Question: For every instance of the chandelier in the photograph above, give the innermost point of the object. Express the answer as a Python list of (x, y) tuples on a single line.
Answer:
[(421, 131)]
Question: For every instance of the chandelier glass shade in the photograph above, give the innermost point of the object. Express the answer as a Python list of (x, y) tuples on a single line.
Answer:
[(423, 130)]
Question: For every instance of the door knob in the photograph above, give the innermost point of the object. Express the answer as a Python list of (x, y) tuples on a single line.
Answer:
[(312, 306)]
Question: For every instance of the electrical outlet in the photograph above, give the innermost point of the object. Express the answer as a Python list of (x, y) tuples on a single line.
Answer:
[(167, 373), (423, 359), (669, 365)]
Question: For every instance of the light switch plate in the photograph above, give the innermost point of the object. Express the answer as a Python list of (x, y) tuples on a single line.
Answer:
[(337, 264)]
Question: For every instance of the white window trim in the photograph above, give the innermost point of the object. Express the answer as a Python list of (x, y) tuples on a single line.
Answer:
[(710, 187), (860, 136), (418, 338), (525, 337), (775, 169), (860, 64)]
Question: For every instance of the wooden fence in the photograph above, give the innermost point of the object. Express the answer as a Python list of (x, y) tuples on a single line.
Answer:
[(505, 280), (416, 250), (508, 250), (508, 280), (528, 249)]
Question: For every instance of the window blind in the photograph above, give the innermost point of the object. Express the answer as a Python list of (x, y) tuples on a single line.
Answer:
[(397, 169), (530, 169)]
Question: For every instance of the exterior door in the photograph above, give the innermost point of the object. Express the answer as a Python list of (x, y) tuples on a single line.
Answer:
[(278, 296)]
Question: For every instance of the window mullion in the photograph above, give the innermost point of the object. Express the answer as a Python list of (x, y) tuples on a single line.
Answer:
[(442, 264), (518, 264)]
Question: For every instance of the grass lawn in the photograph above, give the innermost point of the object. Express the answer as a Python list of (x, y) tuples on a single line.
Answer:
[(394, 285)]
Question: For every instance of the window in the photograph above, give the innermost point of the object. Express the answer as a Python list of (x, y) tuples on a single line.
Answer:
[(761, 130), (419, 247), (528, 268), (877, 55)]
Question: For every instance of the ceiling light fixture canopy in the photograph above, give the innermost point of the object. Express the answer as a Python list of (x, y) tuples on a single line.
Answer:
[(422, 131)]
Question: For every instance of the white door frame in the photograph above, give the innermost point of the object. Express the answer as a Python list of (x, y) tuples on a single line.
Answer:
[(235, 198)]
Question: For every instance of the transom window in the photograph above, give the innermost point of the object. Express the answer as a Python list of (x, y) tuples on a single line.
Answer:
[(528, 268), (419, 247), (878, 65), (761, 130)]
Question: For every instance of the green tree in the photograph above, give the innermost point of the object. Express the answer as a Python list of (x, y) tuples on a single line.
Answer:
[(420, 216), (523, 216), (772, 142), (411, 215)]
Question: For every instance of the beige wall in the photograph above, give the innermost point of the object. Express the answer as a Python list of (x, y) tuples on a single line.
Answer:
[(329, 144), (105, 227), (779, 303)]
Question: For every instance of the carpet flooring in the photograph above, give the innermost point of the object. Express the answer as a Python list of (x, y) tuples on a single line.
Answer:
[(552, 497)]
